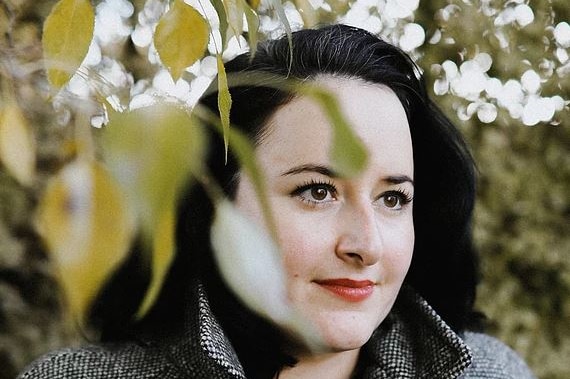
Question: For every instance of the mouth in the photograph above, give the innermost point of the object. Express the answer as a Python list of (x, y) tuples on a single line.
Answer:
[(347, 289)]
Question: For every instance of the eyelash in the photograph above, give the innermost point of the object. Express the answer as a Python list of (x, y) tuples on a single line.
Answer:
[(403, 196)]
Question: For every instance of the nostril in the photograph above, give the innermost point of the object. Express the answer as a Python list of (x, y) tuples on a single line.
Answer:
[(354, 255)]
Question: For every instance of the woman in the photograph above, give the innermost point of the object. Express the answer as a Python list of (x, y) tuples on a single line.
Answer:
[(380, 264)]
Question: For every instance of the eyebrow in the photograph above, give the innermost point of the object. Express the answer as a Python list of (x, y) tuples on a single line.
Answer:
[(326, 171), (323, 170), (398, 179)]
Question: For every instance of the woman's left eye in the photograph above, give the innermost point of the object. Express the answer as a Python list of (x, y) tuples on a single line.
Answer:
[(395, 200)]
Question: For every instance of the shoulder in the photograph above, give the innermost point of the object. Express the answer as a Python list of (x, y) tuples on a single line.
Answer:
[(115, 361), (493, 359)]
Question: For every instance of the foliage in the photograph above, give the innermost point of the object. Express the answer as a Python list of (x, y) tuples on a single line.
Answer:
[(508, 72)]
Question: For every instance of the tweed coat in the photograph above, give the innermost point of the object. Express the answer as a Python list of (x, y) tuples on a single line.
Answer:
[(413, 342)]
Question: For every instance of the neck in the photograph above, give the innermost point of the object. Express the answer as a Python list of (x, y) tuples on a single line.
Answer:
[(330, 365)]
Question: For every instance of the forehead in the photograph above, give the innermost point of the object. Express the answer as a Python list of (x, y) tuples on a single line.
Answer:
[(299, 132)]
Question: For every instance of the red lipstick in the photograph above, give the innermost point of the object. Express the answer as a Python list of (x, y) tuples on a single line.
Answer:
[(348, 289)]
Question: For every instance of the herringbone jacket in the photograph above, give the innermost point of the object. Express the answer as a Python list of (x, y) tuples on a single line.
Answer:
[(414, 342)]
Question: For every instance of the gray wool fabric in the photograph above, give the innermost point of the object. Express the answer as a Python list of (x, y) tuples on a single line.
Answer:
[(413, 342)]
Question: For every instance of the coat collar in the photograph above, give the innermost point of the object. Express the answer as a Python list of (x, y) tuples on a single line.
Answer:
[(413, 342)]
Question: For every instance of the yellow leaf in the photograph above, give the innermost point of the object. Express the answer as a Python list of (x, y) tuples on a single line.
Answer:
[(254, 4), (67, 34), (152, 152), (84, 221), (223, 27), (278, 7), (224, 101), (17, 144), (181, 37), (252, 28), (234, 13), (163, 247), (307, 12)]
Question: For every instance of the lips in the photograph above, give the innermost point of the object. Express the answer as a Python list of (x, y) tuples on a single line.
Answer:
[(347, 289)]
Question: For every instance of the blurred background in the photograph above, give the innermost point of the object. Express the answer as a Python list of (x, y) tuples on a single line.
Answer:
[(499, 69)]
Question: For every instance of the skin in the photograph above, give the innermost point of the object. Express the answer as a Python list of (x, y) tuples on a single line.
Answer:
[(358, 228)]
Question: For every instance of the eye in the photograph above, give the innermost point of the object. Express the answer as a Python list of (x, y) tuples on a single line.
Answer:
[(395, 200), (391, 201), (316, 193)]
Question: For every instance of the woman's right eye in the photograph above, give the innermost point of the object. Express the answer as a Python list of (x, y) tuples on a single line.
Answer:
[(316, 193)]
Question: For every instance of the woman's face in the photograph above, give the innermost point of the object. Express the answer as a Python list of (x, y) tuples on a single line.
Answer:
[(346, 242)]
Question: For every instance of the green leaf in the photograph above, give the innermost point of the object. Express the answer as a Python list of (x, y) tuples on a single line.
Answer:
[(242, 148), (252, 28), (234, 13), (84, 221), (17, 144), (348, 155), (181, 37), (224, 101), (67, 34), (223, 27)]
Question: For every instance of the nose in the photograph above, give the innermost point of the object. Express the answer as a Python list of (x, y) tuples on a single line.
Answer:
[(360, 237)]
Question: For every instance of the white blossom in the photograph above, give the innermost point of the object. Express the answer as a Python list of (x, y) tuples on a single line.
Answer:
[(562, 34)]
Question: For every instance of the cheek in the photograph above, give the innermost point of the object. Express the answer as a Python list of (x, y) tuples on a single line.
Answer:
[(399, 247), (303, 248)]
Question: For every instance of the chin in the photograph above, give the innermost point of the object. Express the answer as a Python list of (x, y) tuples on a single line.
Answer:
[(346, 337)]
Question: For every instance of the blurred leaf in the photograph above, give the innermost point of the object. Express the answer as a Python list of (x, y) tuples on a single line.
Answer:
[(223, 27), (163, 249), (252, 28), (250, 263), (307, 12), (17, 144), (181, 37), (234, 13), (67, 34), (278, 7), (85, 224), (347, 153), (224, 101), (152, 152), (254, 4)]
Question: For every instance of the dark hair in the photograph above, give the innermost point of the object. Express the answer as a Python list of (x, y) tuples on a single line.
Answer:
[(444, 264)]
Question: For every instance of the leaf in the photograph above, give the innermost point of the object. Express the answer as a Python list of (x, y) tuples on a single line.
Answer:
[(252, 28), (181, 38), (224, 101), (17, 144), (347, 153), (223, 27), (250, 263), (163, 248), (278, 7), (67, 34), (307, 12), (84, 221), (153, 152), (254, 4), (234, 13)]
